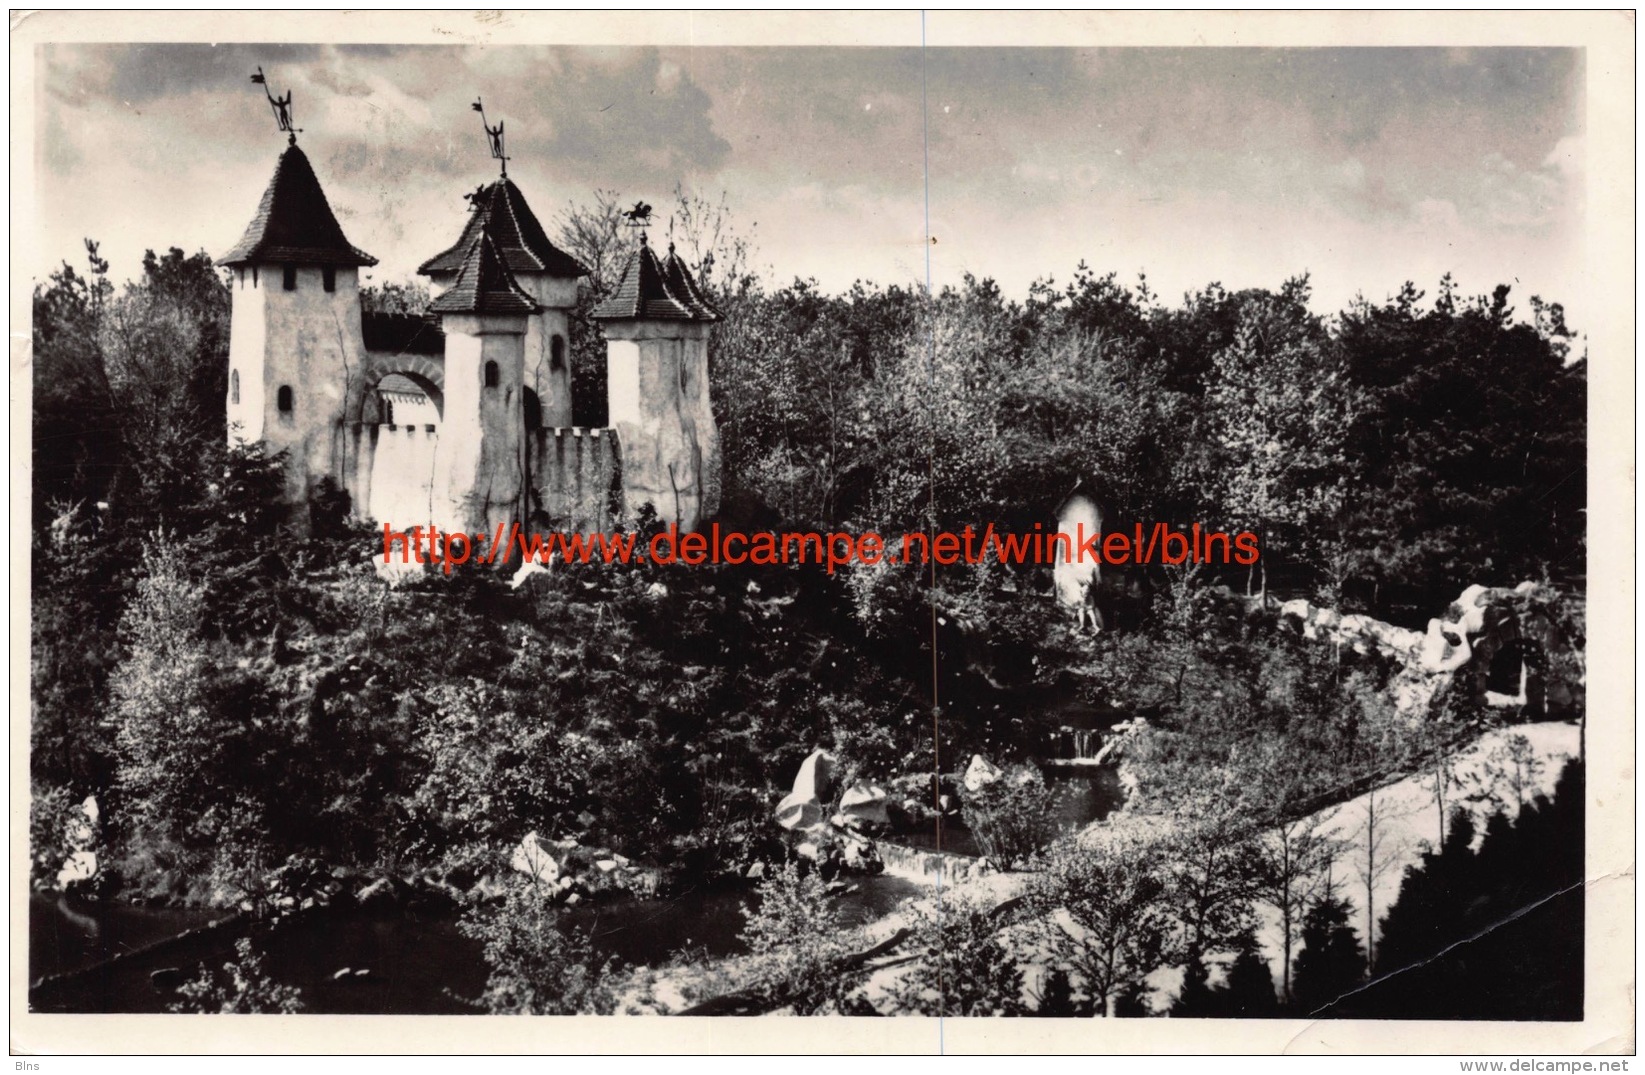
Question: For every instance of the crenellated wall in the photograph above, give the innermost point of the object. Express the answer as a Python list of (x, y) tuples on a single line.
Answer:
[(576, 478), (402, 474)]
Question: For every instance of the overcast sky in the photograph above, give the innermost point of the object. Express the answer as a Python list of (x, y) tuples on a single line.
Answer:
[(1364, 166)]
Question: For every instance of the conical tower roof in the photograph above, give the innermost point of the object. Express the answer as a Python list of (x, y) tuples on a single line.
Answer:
[(294, 222), (501, 210), (646, 292), (684, 286), (484, 285)]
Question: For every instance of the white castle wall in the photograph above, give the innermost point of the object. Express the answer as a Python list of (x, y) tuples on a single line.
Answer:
[(308, 339), (402, 475)]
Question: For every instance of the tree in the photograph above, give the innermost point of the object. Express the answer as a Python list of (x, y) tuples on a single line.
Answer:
[(1118, 927), (1374, 857), (1249, 993), (1212, 865), (1508, 777), (395, 297), (962, 966), (1295, 850), (1331, 963), (76, 446), (168, 733), (1492, 934), (1471, 424), (593, 233), (1433, 900), (1281, 408)]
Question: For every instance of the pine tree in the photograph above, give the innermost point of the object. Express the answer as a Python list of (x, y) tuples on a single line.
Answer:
[(1331, 963), (1249, 993)]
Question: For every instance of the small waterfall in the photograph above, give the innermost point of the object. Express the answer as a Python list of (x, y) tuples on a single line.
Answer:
[(1076, 745), (926, 867)]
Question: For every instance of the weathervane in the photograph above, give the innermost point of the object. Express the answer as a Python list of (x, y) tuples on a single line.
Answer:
[(280, 105), (494, 135), (639, 216)]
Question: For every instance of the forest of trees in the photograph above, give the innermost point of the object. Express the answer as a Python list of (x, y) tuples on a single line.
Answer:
[(236, 694)]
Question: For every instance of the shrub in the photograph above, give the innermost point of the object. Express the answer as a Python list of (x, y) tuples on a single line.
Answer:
[(537, 968), (241, 987), (1115, 895), (51, 810), (1012, 817), (962, 967), (800, 959)]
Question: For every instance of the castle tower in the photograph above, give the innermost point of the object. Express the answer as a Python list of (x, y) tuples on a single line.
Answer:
[(480, 470), (540, 269), (295, 331), (656, 325)]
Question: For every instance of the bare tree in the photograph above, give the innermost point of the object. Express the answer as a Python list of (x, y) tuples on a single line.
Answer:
[(710, 242), (1296, 858), (1374, 855), (1213, 866), (592, 232), (1508, 776)]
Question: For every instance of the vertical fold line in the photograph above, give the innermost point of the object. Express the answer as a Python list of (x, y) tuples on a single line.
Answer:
[(931, 520)]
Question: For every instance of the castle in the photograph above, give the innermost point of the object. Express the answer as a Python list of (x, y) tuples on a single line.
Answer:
[(462, 417)]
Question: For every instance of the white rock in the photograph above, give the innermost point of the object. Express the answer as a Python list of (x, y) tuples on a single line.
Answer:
[(864, 802), (80, 866), (532, 858), (980, 773)]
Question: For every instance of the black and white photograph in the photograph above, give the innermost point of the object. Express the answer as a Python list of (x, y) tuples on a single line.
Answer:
[(540, 516)]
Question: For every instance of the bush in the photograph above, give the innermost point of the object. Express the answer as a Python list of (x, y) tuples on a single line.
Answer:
[(962, 966), (51, 811), (1013, 817), (800, 960), (241, 987), (537, 968)]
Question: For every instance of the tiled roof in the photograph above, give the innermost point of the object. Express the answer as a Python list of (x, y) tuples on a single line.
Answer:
[(402, 334), (501, 209), (484, 285), (294, 222), (684, 285), (646, 292)]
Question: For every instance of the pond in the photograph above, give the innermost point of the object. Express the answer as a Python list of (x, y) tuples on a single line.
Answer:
[(412, 966), (1082, 792), (426, 966)]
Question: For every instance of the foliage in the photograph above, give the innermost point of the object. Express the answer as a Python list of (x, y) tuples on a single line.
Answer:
[(538, 966), (1114, 897), (235, 693), (241, 987), (1495, 932), (962, 966), (1331, 963), (1012, 817), (395, 297), (799, 960), (51, 812)]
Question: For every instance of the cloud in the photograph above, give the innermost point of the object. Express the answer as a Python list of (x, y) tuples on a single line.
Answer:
[(1248, 164)]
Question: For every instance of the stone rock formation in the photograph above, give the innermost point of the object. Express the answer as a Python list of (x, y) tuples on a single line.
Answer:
[(1501, 647)]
